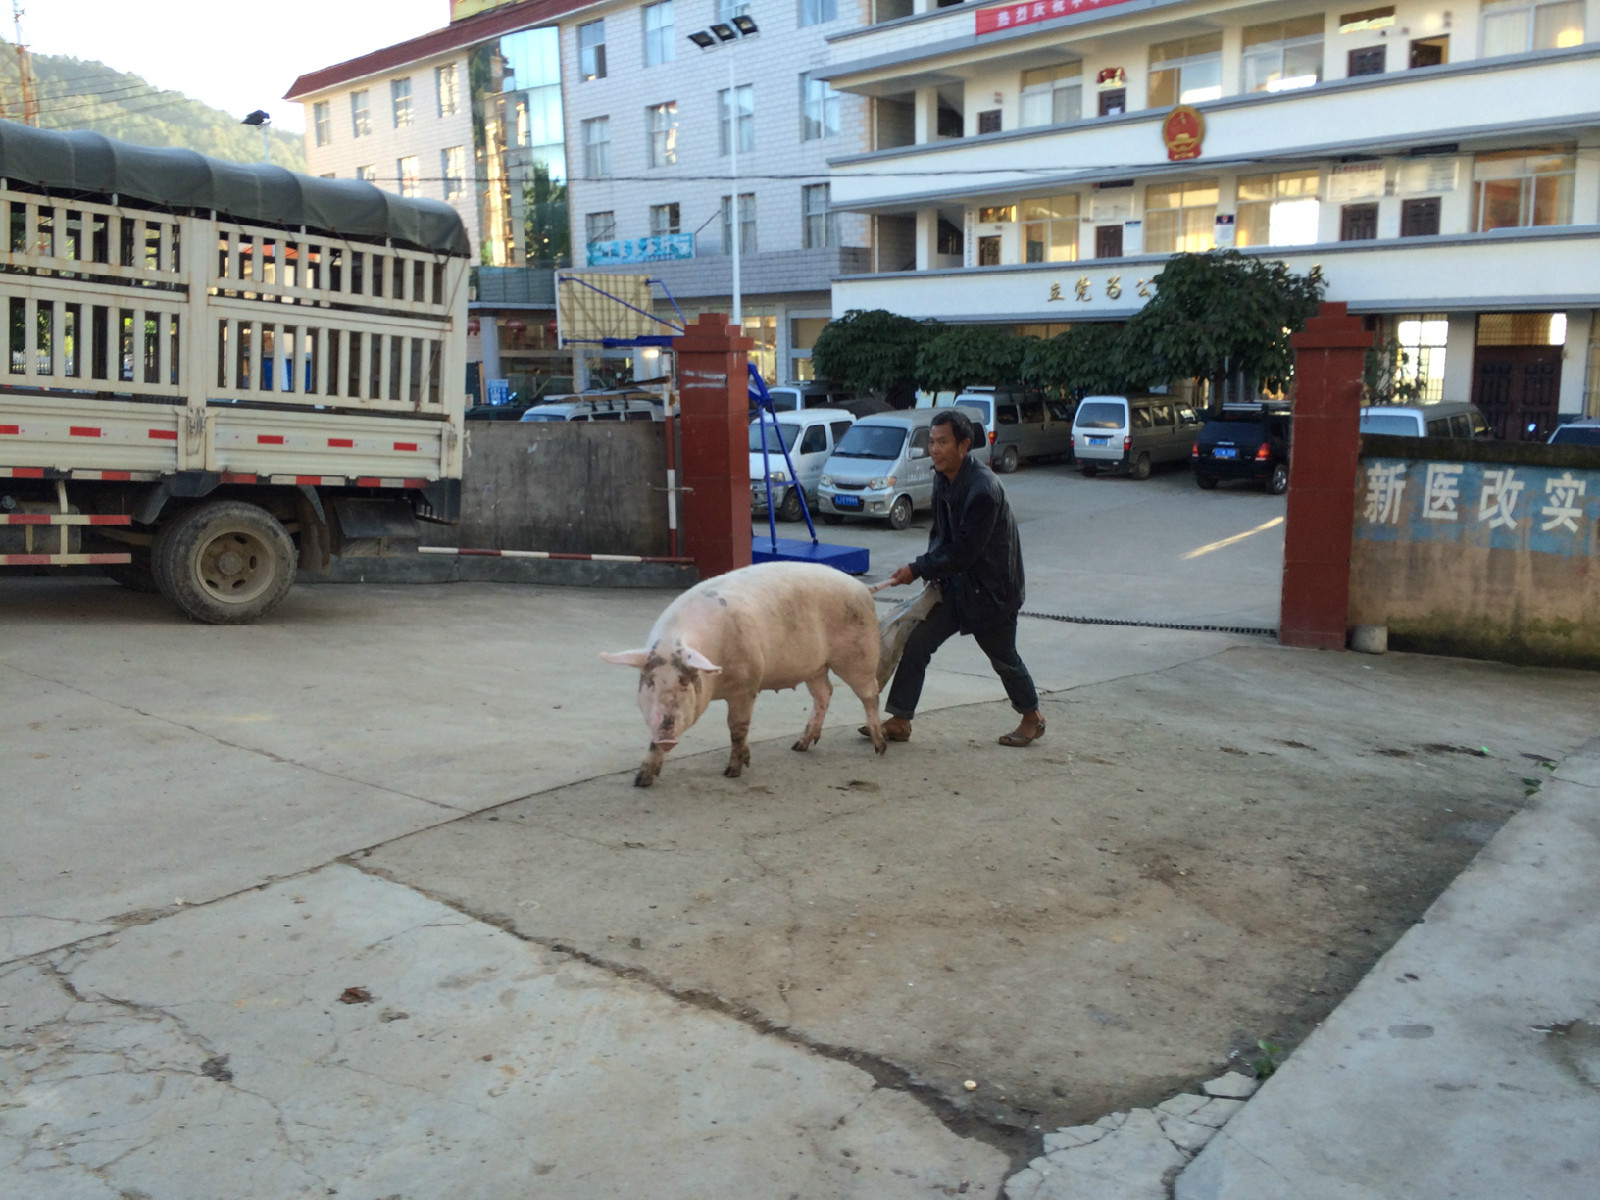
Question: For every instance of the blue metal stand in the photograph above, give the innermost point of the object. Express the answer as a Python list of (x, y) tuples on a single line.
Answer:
[(852, 560)]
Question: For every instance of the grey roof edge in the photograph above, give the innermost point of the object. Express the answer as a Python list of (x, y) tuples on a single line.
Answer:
[(1299, 154), (90, 164)]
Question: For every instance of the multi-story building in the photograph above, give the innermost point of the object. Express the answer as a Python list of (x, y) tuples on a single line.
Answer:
[(655, 125), (469, 114), (1033, 163)]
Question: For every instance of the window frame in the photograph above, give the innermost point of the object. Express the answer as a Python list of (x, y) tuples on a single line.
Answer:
[(1050, 225), (604, 221), (597, 150), (401, 106), (819, 228), (1181, 64), (1049, 90), (455, 175), (818, 12), (747, 224), (661, 144), (661, 38), (1183, 234), (1281, 47), (592, 50), (443, 91), (322, 122), (746, 119), (1529, 199), (408, 181), (819, 110), (361, 113), (1283, 185), (673, 226), (1491, 10)]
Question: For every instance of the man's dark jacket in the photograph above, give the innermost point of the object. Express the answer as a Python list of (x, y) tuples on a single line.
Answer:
[(973, 550)]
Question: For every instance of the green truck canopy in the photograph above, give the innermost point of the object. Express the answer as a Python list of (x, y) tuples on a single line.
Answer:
[(91, 165)]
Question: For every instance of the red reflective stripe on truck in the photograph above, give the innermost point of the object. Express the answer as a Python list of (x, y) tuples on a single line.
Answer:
[(312, 480), (27, 472), (83, 430), (342, 443), (412, 446), (164, 435), (416, 483), (13, 429), (269, 439), (228, 478)]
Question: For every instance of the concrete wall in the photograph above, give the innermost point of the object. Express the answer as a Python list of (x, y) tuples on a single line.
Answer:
[(1484, 550), (572, 487)]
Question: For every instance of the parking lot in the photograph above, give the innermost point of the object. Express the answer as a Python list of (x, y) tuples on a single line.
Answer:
[(777, 985)]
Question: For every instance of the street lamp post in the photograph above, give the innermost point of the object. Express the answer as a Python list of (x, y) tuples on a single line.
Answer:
[(718, 34), (261, 120)]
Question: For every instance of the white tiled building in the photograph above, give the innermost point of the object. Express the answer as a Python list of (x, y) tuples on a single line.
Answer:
[(1441, 166), (649, 158)]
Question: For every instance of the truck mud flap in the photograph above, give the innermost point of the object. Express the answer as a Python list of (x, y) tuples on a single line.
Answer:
[(374, 518)]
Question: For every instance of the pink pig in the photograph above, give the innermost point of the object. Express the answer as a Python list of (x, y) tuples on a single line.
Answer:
[(766, 627)]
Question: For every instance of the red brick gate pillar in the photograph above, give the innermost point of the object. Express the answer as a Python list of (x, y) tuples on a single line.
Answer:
[(1329, 357), (713, 393)]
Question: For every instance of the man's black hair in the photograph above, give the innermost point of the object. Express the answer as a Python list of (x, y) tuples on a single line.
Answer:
[(960, 424)]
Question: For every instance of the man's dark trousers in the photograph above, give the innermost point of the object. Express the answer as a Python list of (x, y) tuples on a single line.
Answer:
[(998, 641)]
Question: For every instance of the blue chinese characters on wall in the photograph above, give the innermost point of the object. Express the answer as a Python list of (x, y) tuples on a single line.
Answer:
[(666, 247)]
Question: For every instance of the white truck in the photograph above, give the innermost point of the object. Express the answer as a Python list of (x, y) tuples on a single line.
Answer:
[(217, 374)]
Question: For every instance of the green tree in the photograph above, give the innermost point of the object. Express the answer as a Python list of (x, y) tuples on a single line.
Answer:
[(549, 237), (1221, 313), (873, 350), (1384, 378), (1085, 360), (968, 355)]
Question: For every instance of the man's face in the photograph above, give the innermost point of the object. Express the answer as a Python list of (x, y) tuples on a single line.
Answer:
[(945, 451)]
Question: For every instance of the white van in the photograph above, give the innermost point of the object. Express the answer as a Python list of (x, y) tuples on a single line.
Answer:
[(882, 469), (1132, 433), (810, 435)]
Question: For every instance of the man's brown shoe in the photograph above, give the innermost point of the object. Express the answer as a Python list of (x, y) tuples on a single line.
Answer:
[(895, 729), (1031, 730)]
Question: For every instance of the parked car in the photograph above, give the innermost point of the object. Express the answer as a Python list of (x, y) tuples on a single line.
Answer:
[(808, 393), (881, 468), (1451, 419), (1023, 424), (810, 435), (1583, 432), (1244, 441), (621, 405), (1132, 433)]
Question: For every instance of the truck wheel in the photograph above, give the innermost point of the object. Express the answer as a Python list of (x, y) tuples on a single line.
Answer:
[(1008, 461), (1141, 467), (225, 563), (789, 506), (1279, 483), (900, 513)]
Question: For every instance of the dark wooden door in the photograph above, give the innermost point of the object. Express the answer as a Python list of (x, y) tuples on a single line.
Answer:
[(1108, 241), (1517, 389)]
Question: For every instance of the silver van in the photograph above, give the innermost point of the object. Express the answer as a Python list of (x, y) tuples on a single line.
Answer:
[(881, 468), (1451, 419), (810, 435), (1020, 424), (1132, 433)]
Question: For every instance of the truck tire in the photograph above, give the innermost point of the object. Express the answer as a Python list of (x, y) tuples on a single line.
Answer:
[(224, 562)]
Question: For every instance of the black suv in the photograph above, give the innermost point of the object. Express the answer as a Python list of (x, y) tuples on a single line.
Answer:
[(1244, 441)]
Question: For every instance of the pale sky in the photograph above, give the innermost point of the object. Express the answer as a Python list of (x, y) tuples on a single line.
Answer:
[(233, 56)]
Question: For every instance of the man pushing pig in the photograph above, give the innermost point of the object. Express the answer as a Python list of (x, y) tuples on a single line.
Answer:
[(975, 557)]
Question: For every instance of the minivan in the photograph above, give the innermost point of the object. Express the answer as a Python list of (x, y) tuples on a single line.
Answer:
[(881, 468), (1132, 433), (1022, 424), (600, 406), (810, 436), (1447, 419)]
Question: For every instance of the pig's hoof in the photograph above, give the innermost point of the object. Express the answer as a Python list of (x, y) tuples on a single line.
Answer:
[(881, 745), (644, 779), (804, 744), (733, 771)]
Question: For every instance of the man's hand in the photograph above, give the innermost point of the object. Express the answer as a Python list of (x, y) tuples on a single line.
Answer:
[(901, 577)]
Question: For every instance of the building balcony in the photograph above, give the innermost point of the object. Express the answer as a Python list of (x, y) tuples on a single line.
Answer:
[(1524, 99), (1545, 269), (764, 272)]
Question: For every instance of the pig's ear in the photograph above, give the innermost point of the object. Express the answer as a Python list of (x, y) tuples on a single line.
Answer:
[(700, 662), (626, 658)]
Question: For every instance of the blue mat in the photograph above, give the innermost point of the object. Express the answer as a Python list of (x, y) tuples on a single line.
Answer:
[(852, 560)]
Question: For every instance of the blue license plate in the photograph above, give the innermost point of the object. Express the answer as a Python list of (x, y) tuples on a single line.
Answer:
[(847, 501), (1224, 452), (1094, 441)]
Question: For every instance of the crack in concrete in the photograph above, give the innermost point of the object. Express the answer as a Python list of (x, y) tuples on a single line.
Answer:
[(222, 741)]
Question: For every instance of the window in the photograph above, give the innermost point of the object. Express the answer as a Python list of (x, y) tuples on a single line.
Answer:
[(819, 225), (1368, 61), (1282, 55), (727, 10), (1108, 241), (1422, 339), (1113, 102), (1358, 222), (747, 224), (1516, 188), (1050, 229), (592, 50), (453, 166), (407, 171), (448, 89), (746, 99), (1052, 95), (815, 440), (322, 122), (988, 252), (662, 122), (1180, 217), (1430, 52), (658, 43), (1419, 218), (360, 114), (597, 148), (1278, 210), (600, 227), (367, 174), (1516, 26), (818, 12), (400, 101), (1187, 71), (989, 121), (663, 220), (821, 110)]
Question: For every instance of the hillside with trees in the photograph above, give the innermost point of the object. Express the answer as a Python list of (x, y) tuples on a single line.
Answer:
[(73, 94)]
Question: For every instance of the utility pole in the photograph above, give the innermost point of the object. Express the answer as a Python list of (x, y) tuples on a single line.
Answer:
[(30, 100)]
